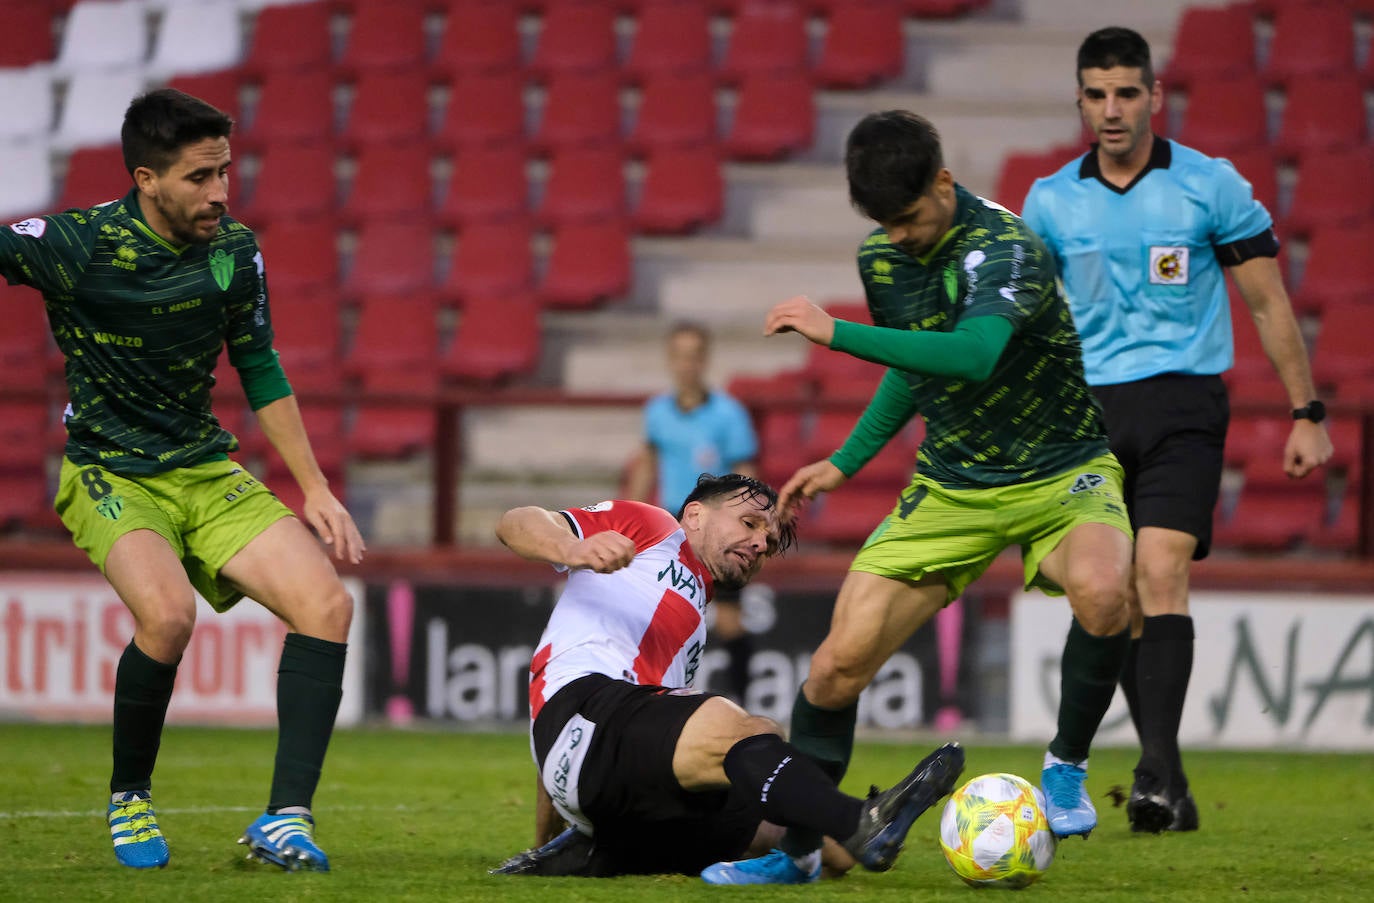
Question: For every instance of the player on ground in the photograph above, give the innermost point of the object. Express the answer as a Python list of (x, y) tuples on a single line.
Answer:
[(1141, 228), (690, 430), (142, 294), (652, 775), (978, 340)]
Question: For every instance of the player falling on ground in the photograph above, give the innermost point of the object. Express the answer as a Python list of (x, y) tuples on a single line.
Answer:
[(652, 775), (142, 294)]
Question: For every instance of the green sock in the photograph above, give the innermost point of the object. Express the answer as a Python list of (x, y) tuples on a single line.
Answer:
[(143, 687), (1089, 672), (827, 737), (309, 686)]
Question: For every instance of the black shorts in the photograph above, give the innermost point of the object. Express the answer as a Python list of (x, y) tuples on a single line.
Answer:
[(622, 782), (1169, 433)]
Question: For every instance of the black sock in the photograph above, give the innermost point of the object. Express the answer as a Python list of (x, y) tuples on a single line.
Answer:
[(827, 736), (791, 789), (1089, 673), (739, 649), (1162, 673), (143, 687), (1129, 685), (309, 686)]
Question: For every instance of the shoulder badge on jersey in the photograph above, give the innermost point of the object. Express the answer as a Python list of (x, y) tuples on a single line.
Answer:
[(599, 506), (34, 227)]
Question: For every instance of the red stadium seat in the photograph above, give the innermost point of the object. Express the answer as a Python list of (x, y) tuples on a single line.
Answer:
[(388, 107), (767, 37), (293, 182), (675, 110), (293, 107), (485, 186), (1260, 169), (485, 110), (584, 184), (1211, 43), (780, 442), (671, 37), (392, 258), (23, 427), (221, 90), (942, 9), (27, 37), (1339, 531), (293, 37), (1020, 169), (393, 430), (864, 45), (590, 263), (847, 516), (775, 115), (25, 341), (394, 333), (1313, 40), (1342, 351), (1225, 115), (94, 175), (1339, 268), (575, 37), (307, 333), (23, 498), (301, 257), (490, 259), (580, 110), (384, 34), (683, 190), (1274, 520), (391, 181), (498, 339), (1321, 112), (1334, 188), (480, 36)]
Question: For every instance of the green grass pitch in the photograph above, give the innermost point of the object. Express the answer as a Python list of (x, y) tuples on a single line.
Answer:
[(421, 815)]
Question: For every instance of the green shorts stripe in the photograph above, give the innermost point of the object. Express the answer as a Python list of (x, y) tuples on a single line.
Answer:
[(957, 533), (207, 512)]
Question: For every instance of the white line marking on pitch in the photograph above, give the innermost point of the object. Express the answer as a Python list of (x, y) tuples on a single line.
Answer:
[(187, 810)]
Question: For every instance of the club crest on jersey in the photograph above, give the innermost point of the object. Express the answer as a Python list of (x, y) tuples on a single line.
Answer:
[(1168, 265), (222, 268), (110, 507), (1086, 482)]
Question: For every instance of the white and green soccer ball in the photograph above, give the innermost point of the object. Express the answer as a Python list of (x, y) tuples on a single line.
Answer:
[(994, 832)]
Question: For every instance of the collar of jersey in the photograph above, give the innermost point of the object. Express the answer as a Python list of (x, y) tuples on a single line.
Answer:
[(925, 259), (1161, 156)]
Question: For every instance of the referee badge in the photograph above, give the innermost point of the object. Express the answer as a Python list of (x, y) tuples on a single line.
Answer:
[(1168, 265)]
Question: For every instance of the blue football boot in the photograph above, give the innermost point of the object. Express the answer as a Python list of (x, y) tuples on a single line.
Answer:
[(1068, 807), (286, 841), (138, 841), (776, 867)]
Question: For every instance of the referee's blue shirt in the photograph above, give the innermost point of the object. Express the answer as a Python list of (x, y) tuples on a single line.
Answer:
[(1139, 264), (712, 436)]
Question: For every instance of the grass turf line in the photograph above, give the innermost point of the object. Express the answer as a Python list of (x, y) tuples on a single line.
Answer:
[(421, 815)]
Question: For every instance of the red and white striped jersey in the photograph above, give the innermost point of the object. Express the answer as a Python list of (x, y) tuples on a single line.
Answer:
[(643, 623)]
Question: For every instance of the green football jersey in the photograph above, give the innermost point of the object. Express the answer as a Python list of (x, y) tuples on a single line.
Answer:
[(141, 323), (1034, 416)]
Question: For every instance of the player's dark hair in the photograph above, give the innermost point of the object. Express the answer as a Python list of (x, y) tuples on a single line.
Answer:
[(1115, 46), (691, 327), (892, 159), (160, 123), (710, 488)]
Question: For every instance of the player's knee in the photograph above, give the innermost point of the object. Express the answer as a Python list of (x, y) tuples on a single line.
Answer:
[(755, 726), (165, 634), (1163, 586), (1101, 601), (836, 678), (334, 613)]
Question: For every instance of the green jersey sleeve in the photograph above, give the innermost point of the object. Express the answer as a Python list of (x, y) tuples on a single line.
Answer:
[(48, 253)]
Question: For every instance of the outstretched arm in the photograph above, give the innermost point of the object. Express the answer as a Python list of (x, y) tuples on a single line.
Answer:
[(543, 535), (1261, 285)]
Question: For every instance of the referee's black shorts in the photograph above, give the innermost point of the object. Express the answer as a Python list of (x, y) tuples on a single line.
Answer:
[(1169, 433), (643, 821)]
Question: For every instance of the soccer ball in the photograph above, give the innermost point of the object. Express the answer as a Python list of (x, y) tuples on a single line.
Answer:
[(994, 833)]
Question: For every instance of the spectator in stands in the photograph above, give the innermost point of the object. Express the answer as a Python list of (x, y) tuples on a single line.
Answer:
[(690, 430), (1141, 228), (143, 294), (978, 339), (652, 775)]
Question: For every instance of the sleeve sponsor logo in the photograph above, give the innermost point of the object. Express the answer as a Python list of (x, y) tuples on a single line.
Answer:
[(599, 506), (34, 227)]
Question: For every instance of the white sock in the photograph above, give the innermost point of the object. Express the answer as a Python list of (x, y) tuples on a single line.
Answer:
[(1052, 759), (809, 862), (293, 810)]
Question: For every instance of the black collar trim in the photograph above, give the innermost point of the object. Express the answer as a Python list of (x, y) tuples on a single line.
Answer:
[(1161, 155)]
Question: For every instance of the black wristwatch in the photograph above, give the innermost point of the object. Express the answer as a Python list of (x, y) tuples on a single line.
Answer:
[(1315, 411)]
